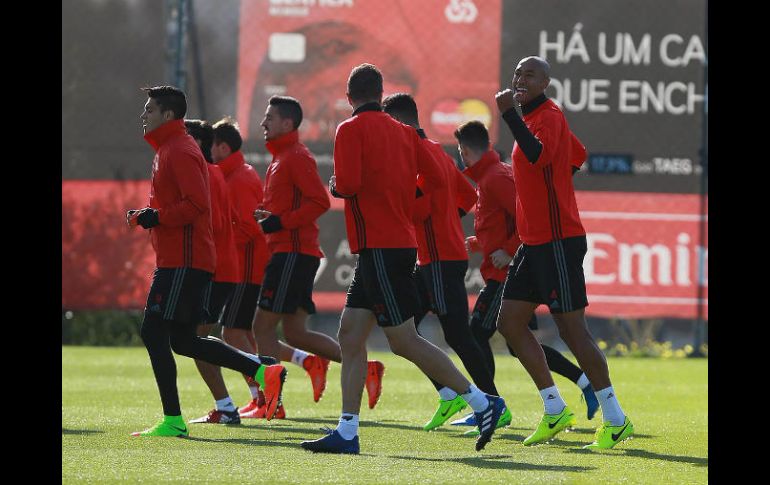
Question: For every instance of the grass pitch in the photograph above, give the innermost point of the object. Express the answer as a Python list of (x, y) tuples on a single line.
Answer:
[(108, 392)]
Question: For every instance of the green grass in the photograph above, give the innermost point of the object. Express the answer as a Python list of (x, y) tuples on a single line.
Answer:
[(109, 392)]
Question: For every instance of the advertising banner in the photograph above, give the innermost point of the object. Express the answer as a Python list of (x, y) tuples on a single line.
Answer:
[(445, 53), (643, 258)]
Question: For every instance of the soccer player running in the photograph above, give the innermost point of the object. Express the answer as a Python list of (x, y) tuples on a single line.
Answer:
[(548, 266), (227, 273), (376, 163), (220, 295), (497, 239), (442, 262), (294, 199), (246, 192), (179, 220)]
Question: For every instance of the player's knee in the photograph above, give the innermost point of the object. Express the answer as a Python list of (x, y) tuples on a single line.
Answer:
[(152, 330), (183, 344), (400, 346), (457, 341)]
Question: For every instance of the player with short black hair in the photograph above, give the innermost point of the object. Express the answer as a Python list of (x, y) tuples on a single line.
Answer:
[(179, 220)]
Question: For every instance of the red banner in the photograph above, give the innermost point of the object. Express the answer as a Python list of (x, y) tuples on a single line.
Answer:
[(306, 49), (643, 252)]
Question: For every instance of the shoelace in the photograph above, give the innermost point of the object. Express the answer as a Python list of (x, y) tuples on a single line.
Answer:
[(326, 429)]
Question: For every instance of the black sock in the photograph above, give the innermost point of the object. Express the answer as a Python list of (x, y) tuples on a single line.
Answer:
[(560, 364)]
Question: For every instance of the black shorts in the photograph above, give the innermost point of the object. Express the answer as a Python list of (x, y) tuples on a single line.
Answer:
[(288, 283), (550, 274), (487, 307), (217, 297), (239, 313), (383, 282), (177, 294), (441, 287)]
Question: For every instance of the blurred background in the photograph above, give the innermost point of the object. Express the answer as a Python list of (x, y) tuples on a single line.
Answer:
[(631, 77)]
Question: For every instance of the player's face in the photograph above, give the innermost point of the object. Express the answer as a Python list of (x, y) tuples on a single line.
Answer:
[(529, 81), (273, 125), (152, 117), (219, 151)]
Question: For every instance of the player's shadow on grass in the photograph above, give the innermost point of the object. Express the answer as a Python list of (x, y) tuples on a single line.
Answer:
[(80, 431), (243, 441), (496, 462), (637, 453), (383, 423)]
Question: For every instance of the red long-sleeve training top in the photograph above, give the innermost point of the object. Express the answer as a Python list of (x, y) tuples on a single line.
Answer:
[(495, 221), (180, 193), (376, 162), (437, 221), (545, 204), (223, 221), (245, 188), (294, 192)]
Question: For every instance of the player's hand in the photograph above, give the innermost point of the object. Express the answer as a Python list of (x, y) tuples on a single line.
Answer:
[(131, 218), (500, 259), (147, 217), (505, 100), (261, 214)]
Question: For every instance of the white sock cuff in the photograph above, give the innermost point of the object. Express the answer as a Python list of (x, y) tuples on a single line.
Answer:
[(552, 400), (298, 357), (606, 393), (583, 381), (348, 426), (225, 404), (476, 399), (447, 394)]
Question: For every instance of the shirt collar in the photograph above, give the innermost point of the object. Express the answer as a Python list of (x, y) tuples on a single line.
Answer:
[(372, 106), (277, 145), (534, 104), (477, 170), (160, 135), (231, 163)]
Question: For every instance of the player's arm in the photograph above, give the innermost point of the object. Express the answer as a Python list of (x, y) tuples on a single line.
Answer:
[(422, 203), (348, 153), (313, 199), (531, 145), (428, 167), (192, 179), (578, 153), (466, 194), (247, 197), (503, 190)]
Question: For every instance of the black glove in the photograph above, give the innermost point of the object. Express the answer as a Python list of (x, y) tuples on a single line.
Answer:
[(418, 193), (461, 212), (148, 218), (272, 223)]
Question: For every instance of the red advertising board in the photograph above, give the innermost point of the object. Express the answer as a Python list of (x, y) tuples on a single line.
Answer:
[(643, 254), (444, 52)]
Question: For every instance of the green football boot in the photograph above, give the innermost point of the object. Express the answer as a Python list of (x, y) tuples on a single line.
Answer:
[(446, 409), (550, 426), (505, 420), (169, 426), (608, 436)]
